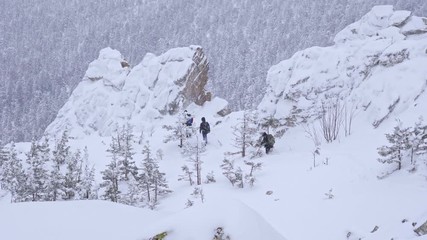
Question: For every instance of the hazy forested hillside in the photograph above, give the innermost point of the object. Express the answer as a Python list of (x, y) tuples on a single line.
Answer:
[(46, 45)]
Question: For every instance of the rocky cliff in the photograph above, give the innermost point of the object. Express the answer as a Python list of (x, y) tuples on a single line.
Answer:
[(113, 93)]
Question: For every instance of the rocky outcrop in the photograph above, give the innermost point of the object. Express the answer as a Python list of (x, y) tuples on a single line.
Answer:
[(196, 80), (421, 230), (113, 94), (373, 62)]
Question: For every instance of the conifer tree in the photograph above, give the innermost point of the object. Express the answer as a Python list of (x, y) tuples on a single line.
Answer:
[(126, 164), (56, 182), (418, 140), (61, 153), (37, 172), (187, 176), (153, 181), (270, 122), (3, 159), (399, 144), (177, 131), (193, 151), (14, 178), (72, 176), (87, 182), (244, 132), (111, 180)]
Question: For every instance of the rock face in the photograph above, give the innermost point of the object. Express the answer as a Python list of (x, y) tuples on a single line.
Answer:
[(421, 230), (113, 94), (376, 66)]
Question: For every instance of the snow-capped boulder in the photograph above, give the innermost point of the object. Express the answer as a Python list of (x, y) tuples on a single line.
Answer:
[(380, 19), (113, 94), (375, 66)]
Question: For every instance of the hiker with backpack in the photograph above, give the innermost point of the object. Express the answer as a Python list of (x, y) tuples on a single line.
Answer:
[(267, 141), (188, 123), (204, 129)]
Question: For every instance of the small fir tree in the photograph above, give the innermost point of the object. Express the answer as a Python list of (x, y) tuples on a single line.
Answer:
[(111, 180), (14, 178), (193, 151), (61, 153), (178, 131), (244, 132), (87, 183), (398, 145), (73, 176), (153, 181), (37, 173)]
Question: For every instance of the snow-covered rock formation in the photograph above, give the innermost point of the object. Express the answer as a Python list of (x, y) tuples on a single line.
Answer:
[(113, 94), (377, 65)]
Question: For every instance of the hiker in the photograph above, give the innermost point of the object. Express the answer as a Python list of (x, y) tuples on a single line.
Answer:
[(188, 119), (267, 141), (204, 129), (188, 123)]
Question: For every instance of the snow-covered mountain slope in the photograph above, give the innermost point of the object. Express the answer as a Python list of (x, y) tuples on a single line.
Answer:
[(377, 65), (333, 191), (113, 94)]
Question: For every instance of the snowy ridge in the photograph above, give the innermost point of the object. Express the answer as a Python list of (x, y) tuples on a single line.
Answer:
[(376, 63), (340, 193), (113, 94)]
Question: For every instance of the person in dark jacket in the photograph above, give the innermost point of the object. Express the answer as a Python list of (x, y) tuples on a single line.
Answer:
[(267, 141), (204, 129)]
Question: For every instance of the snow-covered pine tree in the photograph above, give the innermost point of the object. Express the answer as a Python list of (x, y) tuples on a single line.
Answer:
[(37, 173), (235, 176), (56, 182), (161, 187), (398, 145), (147, 172), (127, 166), (269, 123), (73, 176), (177, 131), (418, 140), (153, 181), (244, 132), (121, 145), (133, 195), (61, 155), (111, 180), (250, 178), (14, 177), (62, 150), (87, 183), (3, 159), (187, 176), (228, 170), (193, 151)]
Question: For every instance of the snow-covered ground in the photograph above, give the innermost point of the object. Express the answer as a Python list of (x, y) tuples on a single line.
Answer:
[(345, 194)]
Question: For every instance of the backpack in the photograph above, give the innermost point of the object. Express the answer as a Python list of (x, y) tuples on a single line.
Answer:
[(205, 127), (189, 122), (208, 128), (270, 139)]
